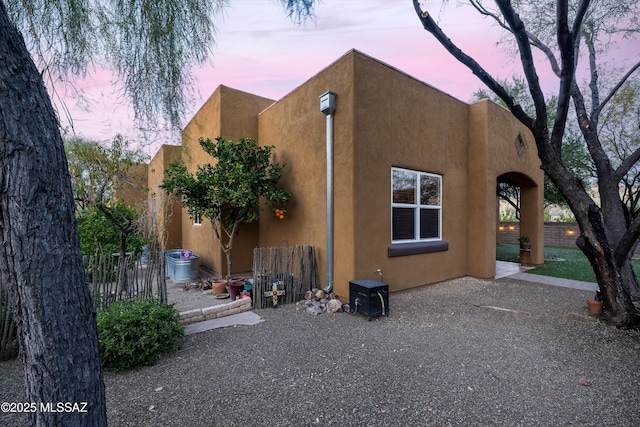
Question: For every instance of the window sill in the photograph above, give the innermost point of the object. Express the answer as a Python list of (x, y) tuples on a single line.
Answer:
[(413, 248)]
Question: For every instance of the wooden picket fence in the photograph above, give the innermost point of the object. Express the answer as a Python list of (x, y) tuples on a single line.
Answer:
[(145, 278), (291, 269)]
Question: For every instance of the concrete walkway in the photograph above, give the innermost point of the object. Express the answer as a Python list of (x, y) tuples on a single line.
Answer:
[(555, 281), (245, 318), (515, 271)]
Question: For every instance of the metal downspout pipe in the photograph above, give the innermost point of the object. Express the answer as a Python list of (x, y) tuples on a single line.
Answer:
[(328, 107)]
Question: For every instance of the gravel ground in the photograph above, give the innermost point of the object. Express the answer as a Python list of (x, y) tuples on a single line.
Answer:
[(448, 355)]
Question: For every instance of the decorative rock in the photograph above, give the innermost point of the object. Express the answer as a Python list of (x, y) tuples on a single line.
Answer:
[(334, 306), (320, 294), (309, 295), (314, 309)]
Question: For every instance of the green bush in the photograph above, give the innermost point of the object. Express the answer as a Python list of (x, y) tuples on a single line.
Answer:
[(136, 333), (96, 231)]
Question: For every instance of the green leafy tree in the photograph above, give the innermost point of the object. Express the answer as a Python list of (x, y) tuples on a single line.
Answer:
[(99, 176), (102, 172), (567, 32), (228, 193), (98, 233), (152, 47)]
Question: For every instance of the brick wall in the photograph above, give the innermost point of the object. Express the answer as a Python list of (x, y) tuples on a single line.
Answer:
[(558, 234)]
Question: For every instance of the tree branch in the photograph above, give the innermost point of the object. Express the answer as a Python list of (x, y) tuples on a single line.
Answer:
[(628, 240), (627, 164), (535, 41), (486, 12), (567, 73), (528, 65), (600, 158), (616, 88), (577, 25), (429, 25), (593, 83)]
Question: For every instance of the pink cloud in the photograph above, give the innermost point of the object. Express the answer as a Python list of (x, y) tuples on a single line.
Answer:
[(259, 50)]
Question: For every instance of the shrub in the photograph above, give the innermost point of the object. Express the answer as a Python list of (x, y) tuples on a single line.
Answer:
[(136, 333), (96, 231)]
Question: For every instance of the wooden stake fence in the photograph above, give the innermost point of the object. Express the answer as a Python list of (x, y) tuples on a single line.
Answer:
[(292, 269), (146, 279)]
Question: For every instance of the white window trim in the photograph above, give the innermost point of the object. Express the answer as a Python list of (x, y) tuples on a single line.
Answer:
[(417, 206)]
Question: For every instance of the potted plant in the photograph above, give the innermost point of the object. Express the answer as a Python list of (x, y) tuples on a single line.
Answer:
[(219, 286), (525, 243), (595, 304)]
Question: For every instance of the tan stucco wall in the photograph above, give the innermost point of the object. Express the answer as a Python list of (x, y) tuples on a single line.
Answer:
[(297, 128), (385, 118), (232, 114), (158, 165), (401, 122), (497, 138)]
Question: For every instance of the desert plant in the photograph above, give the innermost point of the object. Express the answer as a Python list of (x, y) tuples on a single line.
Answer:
[(137, 333)]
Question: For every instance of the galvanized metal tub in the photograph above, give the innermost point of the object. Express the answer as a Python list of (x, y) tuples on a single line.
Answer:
[(181, 269)]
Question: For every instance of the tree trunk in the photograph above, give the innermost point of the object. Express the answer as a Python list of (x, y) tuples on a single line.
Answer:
[(123, 279), (123, 224), (614, 280), (40, 258), (227, 252)]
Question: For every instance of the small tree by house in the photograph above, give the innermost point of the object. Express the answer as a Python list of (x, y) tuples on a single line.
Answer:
[(100, 175), (229, 192)]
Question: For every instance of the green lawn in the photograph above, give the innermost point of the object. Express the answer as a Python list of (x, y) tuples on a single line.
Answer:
[(575, 267)]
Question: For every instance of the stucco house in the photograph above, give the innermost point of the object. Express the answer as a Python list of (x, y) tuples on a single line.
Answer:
[(414, 176)]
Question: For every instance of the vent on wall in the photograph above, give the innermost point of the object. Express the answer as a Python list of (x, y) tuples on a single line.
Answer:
[(521, 144)]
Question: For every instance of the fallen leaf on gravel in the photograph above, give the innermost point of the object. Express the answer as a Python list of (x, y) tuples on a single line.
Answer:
[(583, 382), (159, 388)]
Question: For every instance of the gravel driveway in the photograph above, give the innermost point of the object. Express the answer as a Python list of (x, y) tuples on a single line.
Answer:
[(465, 352)]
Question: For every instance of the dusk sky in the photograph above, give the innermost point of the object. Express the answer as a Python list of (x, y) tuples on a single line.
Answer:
[(259, 50)]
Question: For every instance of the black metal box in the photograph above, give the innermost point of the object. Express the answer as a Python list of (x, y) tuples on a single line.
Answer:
[(369, 297)]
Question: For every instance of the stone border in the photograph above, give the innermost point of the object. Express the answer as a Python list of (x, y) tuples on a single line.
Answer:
[(213, 312)]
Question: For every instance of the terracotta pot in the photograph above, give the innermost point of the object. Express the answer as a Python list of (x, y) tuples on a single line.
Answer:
[(595, 307), (219, 287), (234, 289)]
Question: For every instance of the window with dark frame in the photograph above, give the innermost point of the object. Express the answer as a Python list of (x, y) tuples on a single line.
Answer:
[(416, 206), (197, 219)]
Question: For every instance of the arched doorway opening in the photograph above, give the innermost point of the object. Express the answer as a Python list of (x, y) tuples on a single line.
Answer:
[(520, 193)]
